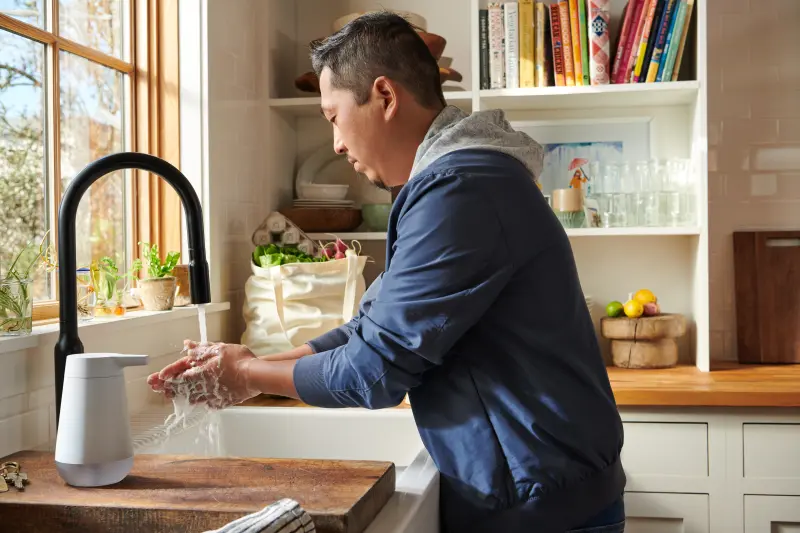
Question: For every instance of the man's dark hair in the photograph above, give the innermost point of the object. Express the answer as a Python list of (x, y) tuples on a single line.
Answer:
[(379, 44)]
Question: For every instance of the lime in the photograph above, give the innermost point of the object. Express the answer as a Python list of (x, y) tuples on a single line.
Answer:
[(614, 309)]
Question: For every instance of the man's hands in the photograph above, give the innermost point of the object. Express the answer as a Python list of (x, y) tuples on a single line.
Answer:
[(218, 374)]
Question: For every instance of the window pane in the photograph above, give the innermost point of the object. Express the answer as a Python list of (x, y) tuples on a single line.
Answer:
[(92, 127), (97, 24), (30, 11), (22, 167)]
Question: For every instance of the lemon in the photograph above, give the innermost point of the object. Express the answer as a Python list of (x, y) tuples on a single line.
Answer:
[(633, 308), (614, 309), (645, 296)]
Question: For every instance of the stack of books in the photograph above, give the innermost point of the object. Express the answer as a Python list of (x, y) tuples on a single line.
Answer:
[(568, 43)]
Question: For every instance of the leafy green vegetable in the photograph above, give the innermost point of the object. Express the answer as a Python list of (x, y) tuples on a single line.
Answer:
[(272, 255), (151, 258)]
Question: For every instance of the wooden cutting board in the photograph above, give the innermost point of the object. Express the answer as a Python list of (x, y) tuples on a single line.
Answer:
[(189, 494)]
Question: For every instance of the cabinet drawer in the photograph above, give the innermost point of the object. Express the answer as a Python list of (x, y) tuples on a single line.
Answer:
[(653, 512), (771, 514), (665, 449), (772, 451)]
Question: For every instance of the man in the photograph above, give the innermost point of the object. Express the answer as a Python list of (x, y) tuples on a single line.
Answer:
[(479, 315)]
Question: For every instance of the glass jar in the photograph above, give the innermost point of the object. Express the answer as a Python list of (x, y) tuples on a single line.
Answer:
[(86, 294), (16, 308)]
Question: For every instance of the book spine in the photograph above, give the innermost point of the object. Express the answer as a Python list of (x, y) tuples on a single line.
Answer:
[(558, 45), (600, 55), (661, 39), (539, 46), (527, 71), (483, 30), (584, 40), (623, 37), (648, 25), (575, 40), (671, 48), (651, 39), (511, 23), (497, 70), (638, 40), (677, 68), (624, 67), (549, 72), (566, 43)]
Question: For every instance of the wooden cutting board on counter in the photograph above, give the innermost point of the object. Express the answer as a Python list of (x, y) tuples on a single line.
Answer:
[(189, 494)]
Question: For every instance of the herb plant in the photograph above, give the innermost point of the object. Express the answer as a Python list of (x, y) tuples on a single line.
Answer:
[(152, 259)]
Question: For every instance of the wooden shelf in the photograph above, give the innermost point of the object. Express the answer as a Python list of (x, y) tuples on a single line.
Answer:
[(633, 232), (580, 232), (308, 106), (593, 97), (357, 236)]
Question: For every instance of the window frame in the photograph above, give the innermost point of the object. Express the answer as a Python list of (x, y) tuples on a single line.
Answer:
[(152, 120)]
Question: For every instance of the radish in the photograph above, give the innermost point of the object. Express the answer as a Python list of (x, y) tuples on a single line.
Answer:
[(340, 246), (339, 255)]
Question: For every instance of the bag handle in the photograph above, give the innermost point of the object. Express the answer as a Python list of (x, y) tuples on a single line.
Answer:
[(276, 274), (349, 301)]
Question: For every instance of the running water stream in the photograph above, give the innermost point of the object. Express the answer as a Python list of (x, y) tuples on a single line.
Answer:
[(196, 417)]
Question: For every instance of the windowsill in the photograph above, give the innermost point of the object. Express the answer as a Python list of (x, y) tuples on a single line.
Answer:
[(109, 325)]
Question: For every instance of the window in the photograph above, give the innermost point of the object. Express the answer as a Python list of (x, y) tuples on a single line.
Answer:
[(81, 79)]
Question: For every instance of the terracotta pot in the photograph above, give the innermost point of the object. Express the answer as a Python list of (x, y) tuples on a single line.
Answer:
[(158, 294)]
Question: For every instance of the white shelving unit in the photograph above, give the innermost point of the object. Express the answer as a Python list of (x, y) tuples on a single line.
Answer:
[(673, 262)]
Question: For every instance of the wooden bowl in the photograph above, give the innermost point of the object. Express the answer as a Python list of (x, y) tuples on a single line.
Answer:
[(646, 328), (323, 220), (308, 82), (435, 43)]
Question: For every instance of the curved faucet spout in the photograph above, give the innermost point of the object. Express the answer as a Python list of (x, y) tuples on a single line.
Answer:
[(68, 341)]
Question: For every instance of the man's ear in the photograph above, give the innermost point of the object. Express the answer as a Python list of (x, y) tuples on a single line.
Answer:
[(386, 91)]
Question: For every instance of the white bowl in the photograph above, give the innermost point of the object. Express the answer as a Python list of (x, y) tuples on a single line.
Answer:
[(320, 191)]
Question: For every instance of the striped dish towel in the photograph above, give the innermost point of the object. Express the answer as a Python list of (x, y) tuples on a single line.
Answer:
[(283, 516)]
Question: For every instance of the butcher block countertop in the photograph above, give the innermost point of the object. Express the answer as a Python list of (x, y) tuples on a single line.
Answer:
[(187, 494), (728, 385)]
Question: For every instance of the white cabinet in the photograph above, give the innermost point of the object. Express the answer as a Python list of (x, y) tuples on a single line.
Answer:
[(772, 514), (651, 512)]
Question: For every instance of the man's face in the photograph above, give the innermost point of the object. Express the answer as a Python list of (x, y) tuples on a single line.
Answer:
[(360, 132)]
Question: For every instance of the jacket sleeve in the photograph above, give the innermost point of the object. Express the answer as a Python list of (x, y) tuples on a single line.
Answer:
[(449, 264), (333, 338)]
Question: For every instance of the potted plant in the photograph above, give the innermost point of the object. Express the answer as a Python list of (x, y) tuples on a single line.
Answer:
[(16, 300), (157, 291), (111, 285)]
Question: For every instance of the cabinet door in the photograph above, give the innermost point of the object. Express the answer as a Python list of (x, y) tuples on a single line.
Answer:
[(655, 512), (772, 514)]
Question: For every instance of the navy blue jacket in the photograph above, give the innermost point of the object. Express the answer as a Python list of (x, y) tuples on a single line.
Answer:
[(480, 318)]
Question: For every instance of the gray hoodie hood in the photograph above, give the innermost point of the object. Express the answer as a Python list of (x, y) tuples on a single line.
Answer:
[(454, 130)]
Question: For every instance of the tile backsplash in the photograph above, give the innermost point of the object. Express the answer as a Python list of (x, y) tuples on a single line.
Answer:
[(753, 136)]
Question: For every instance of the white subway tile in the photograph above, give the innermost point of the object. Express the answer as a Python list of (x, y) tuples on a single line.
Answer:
[(789, 130), (13, 406), (776, 102), (789, 186), (717, 187), (41, 397), (763, 184), (25, 431), (781, 158), (14, 377)]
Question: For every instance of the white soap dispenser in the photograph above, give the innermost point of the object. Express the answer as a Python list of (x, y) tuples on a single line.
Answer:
[(93, 445)]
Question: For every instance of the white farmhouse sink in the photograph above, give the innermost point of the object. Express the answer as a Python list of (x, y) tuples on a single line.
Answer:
[(311, 433)]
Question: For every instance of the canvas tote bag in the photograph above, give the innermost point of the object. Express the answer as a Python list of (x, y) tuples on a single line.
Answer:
[(288, 305)]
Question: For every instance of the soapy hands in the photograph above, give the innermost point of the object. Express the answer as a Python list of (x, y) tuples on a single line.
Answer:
[(216, 374)]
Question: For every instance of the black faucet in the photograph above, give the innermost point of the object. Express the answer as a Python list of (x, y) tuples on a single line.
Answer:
[(68, 340)]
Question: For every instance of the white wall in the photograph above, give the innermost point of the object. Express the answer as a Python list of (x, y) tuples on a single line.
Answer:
[(754, 138)]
